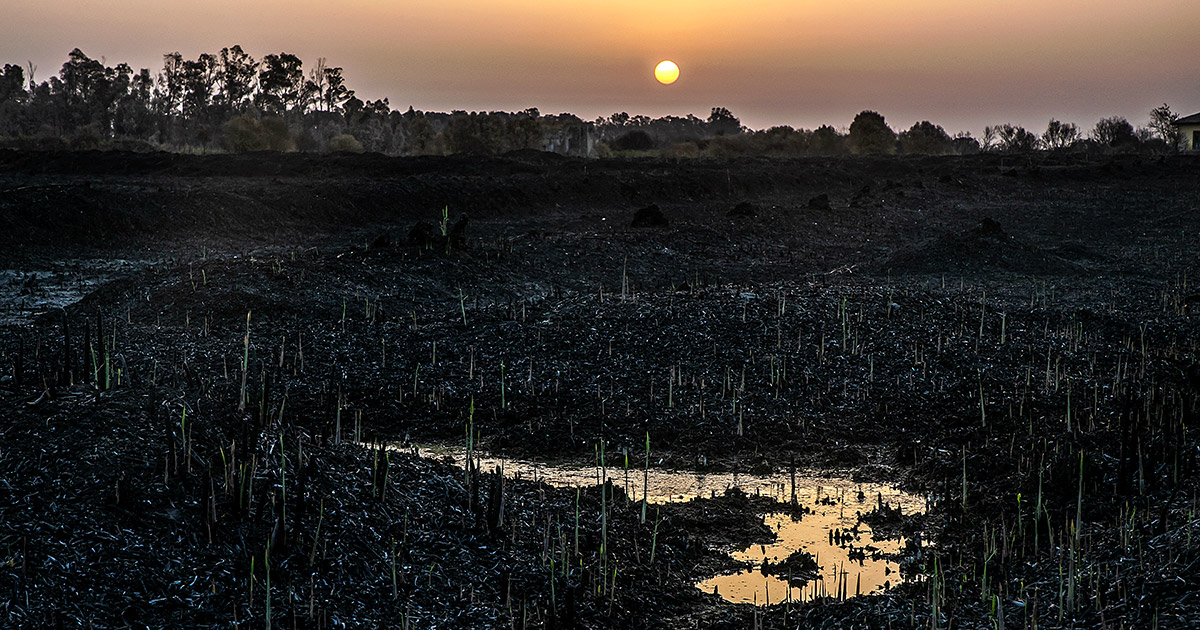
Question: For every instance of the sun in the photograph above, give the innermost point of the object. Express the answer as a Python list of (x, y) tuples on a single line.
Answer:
[(666, 72)]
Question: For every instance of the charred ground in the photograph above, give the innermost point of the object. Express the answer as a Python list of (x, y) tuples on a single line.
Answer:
[(1011, 336)]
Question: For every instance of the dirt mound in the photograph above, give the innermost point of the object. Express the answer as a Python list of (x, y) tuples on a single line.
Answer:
[(650, 216), (744, 209), (982, 249), (820, 202)]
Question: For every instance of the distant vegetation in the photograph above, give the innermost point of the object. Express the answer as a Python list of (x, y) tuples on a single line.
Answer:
[(229, 101)]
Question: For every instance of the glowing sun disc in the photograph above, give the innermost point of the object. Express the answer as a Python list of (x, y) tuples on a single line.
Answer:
[(666, 72)]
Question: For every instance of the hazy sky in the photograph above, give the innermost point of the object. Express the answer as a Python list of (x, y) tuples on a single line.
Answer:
[(959, 63)]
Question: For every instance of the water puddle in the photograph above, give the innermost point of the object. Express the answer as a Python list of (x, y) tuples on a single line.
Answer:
[(826, 552), (27, 293)]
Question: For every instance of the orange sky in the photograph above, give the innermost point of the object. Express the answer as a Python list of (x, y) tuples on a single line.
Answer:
[(959, 63)]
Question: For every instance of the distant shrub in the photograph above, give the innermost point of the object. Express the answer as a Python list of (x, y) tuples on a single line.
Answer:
[(1014, 139), (964, 144), (636, 140), (34, 143), (1116, 133), (731, 146), (84, 138), (250, 132), (783, 140), (684, 150), (1162, 122), (925, 138), (1059, 135), (869, 134), (136, 145), (826, 140), (345, 143)]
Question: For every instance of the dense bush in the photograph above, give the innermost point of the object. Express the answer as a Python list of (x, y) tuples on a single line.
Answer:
[(869, 134), (1115, 132), (1059, 135), (926, 138), (636, 140), (249, 132), (345, 142)]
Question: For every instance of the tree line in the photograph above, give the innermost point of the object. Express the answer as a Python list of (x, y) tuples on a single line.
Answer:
[(869, 134), (229, 101)]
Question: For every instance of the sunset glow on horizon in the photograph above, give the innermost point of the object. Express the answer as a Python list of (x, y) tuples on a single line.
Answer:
[(959, 64)]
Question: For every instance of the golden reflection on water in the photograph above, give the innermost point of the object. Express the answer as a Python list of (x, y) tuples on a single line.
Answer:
[(839, 576), (851, 561)]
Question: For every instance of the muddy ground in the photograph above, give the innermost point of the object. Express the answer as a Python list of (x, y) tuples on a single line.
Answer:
[(195, 349)]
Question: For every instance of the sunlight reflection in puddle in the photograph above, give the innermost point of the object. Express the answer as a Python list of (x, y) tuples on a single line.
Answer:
[(848, 559)]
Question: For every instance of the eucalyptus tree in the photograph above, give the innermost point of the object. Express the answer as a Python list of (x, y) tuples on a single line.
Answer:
[(236, 72)]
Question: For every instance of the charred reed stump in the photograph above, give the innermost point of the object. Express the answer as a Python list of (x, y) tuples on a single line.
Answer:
[(496, 500), (208, 509), (101, 355), (123, 492), (67, 376), (570, 616), (299, 490), (379, 477), (264, 402), (473, 479), (88, 353), (1131, 431), (19, 366)]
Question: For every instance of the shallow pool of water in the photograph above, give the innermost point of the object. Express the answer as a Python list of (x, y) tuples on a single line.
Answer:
[(27, 293), (850, 560)]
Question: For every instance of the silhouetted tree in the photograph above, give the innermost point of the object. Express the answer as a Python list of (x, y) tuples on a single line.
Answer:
[(1013, 139), (964, 144), (1059, 135), (925, 138), (333, 90), (524, 130), (783, 140), (235, 77), (618, 120), (421, 134), (168, 94), (826, 140), (12, 83), (88, 92), (13, 99), (199, 78), (1162, 123), (722, 122), (280, 83), (988, 141), (80, 76), (134, 116), (869, 134), (1114, 132)]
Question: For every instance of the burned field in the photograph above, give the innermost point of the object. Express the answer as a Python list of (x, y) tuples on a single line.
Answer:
[(205, 357)]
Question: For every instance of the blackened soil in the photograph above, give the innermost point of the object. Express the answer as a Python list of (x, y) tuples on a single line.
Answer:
[(1013, 337)]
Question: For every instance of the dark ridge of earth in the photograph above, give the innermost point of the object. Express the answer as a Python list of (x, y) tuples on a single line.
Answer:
[(1059, 214)]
